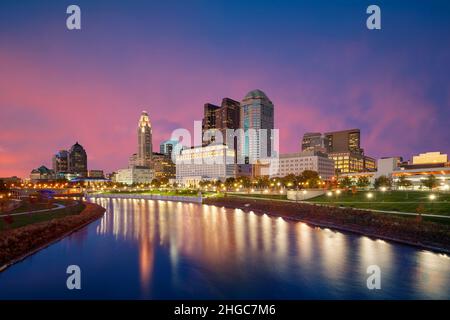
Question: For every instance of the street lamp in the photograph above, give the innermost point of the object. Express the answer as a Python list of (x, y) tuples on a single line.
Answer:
[(370, 195), (432, 197)]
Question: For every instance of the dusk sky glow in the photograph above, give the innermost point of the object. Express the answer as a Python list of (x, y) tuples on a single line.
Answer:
[(315, 60)]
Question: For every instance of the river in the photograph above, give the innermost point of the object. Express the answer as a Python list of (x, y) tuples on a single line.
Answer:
[(147, 249)]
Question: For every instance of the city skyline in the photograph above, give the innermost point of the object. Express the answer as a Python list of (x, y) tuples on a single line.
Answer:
[(324, 81)]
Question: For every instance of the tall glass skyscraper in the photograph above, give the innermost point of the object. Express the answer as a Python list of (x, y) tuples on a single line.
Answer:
[(257, 120)]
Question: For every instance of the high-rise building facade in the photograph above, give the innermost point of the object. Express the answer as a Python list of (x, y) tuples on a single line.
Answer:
[(166, 147), (344, 147), (313, 141), (209, 123), (61, 162), (163, 166), (344, 141), (217, 119), (144, 132), (257, 121), (228, 117), (77, 163)]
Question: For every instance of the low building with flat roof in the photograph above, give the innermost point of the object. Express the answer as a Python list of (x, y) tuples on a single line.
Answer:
[(296, 163), (394, 169), (133, 175), (213, 162), (430, 158)]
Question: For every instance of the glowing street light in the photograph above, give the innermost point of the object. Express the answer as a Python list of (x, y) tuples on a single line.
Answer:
[(370, 195), (329, 193), (383, 189), (432, 197)]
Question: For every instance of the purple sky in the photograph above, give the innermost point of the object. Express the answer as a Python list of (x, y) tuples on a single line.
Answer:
[(315, 60)]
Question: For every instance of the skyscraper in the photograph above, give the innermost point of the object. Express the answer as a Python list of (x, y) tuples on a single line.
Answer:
[(228, 117), (61, 162), (344, 147), (145, 149), (257, 120), (77, 163), (343, 141), (167, 146), (209, 122)]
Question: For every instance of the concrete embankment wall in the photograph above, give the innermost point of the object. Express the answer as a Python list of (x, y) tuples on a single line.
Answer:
[(147, 197), (304, 195)]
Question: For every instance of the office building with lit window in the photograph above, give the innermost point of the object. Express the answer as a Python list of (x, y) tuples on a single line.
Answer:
[(77, 163), (162, 166), (60, 162), (296, 163), (257, 122), (134, 175), (166, 147), (213, 162)]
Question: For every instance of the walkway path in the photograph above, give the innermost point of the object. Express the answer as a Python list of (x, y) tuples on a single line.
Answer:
[(58, 206), (326, 205)]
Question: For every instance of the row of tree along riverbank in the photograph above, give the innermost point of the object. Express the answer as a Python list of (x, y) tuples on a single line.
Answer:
[(424, 234), (16, 244)]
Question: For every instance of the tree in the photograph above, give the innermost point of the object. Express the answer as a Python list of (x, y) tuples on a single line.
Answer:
[(382, 181), (363, 182), (430, 182), (345, 182), (3, 186), (229, 182), (244, 181), (164, 180), (290, 180), (310, 178), (403, 182), (263, 182), (204, 183), (156, 183)]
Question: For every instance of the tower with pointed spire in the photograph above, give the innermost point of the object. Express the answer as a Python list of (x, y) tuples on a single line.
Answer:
[(145, 148)]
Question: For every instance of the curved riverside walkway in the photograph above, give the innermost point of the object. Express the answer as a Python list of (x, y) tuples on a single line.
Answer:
[(145, 197), (58, 206), (327, 205)]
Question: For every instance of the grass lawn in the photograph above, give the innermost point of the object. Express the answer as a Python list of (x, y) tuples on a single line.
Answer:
[(26, 206), (401, 201), (22, 220)]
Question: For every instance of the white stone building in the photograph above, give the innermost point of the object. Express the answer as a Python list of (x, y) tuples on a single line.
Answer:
[(134, 175), (296, 163), (213, 162)]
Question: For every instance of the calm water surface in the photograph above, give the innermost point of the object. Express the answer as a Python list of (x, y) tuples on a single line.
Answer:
[(144, 249)]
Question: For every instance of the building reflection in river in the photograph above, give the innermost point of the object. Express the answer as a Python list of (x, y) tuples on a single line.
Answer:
[(222, 241)]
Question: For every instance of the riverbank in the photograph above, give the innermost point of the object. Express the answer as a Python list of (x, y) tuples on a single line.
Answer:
[(138, 196), (424, 234), (17, 244)]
